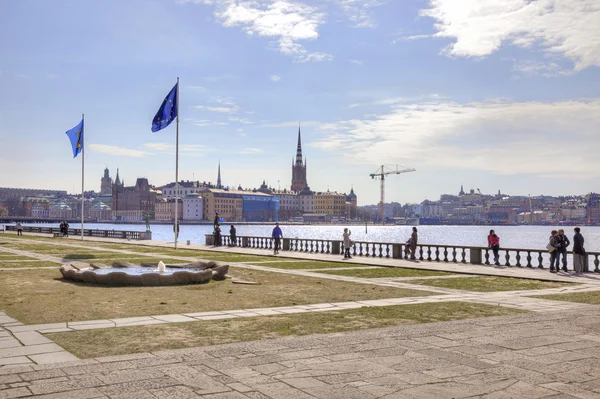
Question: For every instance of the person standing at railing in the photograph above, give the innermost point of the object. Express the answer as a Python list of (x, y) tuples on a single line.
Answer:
[(552, 248), (494, 245), (578, 251), (277, 235), (563, 244), (412, 243), (232, 236), (347, 243), (19, 227), (217, 235)]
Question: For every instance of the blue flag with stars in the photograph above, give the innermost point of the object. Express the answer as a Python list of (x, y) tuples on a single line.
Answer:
[(167, 111), (76, 138)]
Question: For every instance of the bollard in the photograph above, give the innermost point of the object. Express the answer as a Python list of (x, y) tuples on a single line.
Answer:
[(188, 242)]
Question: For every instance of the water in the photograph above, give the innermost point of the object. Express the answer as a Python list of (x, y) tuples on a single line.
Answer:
[(533, 237), (136, 271)]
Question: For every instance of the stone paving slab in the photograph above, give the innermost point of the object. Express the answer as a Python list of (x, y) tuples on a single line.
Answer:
[(443, 360)]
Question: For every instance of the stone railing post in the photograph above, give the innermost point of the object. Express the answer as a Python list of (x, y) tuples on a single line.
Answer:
[(286, 244), (336, 247), (475, 256), (209, 239), (397, 251), (244, 242)]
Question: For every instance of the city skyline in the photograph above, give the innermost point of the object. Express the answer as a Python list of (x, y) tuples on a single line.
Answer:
[(440, 86)]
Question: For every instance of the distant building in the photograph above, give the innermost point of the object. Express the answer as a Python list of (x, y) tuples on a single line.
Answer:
[(133, 203), (307, 200), (192, 207), (100, 212), (7, 192), (106, 183), (185, 188), (165, 210), (239, 206), (330, 203), (299, 168)]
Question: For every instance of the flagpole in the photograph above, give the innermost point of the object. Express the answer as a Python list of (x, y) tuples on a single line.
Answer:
[(176, 226), (82, 171)]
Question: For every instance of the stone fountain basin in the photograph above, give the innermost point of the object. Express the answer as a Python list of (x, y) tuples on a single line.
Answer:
[(123, 273)]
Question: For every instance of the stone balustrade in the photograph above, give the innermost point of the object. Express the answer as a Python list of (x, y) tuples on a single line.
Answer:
[(128, 235), (509, 257)]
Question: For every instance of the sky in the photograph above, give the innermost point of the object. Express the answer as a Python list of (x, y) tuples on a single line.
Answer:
[(493, 94)]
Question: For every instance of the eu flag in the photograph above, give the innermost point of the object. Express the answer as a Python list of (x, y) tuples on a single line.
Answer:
[(167, 111), (76, 137)]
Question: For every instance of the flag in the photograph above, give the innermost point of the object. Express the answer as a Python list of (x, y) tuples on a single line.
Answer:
[(167, 111), (76, 137)]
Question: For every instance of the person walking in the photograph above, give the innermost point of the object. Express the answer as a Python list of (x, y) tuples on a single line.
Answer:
[(277, 235), (578, 251), (563, 244), (347, 244), (66, 228), (232, 236), (494, 245), (19, 227), (412, 243), (552, 247)]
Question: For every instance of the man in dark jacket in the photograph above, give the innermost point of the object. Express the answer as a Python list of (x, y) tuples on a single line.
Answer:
[(232, 236), (562, 245), (579, 254), (277, 235)]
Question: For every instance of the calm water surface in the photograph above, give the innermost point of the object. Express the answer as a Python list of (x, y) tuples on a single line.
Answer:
[(534, 237)]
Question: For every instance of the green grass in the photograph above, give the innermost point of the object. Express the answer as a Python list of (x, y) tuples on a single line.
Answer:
[(15, 257), (592, 298), (114, 341), (21, 264), (490, 284), (309, 265), (383, 272), (25, 293)]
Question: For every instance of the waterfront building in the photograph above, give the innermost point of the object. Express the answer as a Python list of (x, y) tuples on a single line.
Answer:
[(289, 205), (330, 203), (192, 207), (165, 209), (593, 208), (18, 193), (133, 203), (106, 183), (40, 210), (431, 209), (100, 212), (60, 211), (299, 168), (185, 188), (306, 200), (239, 206)]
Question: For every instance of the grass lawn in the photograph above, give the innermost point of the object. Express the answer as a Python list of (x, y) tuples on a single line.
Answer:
[(592, 297), (116, 341), (14, 257), (308, 265), (489, 284), (381, 272), (42, 296), (13, 265)]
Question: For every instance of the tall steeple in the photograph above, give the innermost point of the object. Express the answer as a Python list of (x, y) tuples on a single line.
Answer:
[(299, 149), (117, 179), (219, 176)]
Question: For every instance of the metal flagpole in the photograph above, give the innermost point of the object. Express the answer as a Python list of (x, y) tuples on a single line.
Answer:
[(82, 139), (176, 227)]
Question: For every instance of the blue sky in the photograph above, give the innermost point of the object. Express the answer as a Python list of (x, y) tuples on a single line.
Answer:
[(494, 94)]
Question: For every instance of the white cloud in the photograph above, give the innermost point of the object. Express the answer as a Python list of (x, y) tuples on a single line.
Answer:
[(251, 151), (113, 150), (536, 68), (240, 120), (567, 28), (286, 22), (51, 76), (199, 89), (275, 78), (225, 110), (359, 11), (495, 136), (159, 146), (241, 133), (357, 62)]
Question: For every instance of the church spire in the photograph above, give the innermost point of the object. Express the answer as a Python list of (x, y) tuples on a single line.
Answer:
[(299, 149), (117, 179), (219, 176)]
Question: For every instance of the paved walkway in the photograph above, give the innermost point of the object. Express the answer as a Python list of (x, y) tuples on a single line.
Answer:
[(553, 352), (543, 355)]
